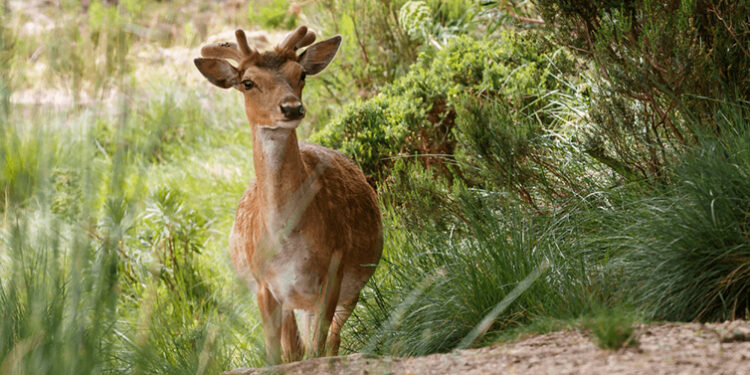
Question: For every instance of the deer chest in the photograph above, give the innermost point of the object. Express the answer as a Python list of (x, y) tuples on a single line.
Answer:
[(293, 272)]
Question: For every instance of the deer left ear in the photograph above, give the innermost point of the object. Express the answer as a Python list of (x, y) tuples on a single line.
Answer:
[(319, 55), (218, 71)]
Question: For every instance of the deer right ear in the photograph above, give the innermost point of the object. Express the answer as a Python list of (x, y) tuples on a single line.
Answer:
[(218, 71)]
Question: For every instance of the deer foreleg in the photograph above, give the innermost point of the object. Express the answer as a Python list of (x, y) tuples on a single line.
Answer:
[(326, 307), (270, 312), (290, 340)]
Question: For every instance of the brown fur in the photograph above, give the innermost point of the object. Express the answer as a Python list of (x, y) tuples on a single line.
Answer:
[(308, 229)]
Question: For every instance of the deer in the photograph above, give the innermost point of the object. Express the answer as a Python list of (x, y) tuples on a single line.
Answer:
[(307, 233)]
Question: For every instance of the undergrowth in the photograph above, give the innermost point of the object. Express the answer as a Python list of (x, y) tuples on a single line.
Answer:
[(440, 279), (107, 264), (686, 251)]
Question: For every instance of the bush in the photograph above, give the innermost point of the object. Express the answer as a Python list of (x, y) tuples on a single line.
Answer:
[(448, 104), (156, 129), (381, 40)]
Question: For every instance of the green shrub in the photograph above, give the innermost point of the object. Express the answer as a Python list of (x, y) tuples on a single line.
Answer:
[(381, 40), (169, 239), (375, 49), (465, 104), (434, 22)]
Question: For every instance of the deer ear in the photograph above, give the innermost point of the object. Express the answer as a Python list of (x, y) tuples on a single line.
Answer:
[(218, 71), (319, 55)]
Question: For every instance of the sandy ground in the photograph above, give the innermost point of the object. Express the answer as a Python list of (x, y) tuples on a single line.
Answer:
[(684, 348)]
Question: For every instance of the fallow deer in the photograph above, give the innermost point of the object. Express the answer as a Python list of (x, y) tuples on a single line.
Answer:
[(307, 231)]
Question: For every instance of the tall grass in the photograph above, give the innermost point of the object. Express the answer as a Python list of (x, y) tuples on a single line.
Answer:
[(438, 282), (108, 263), (686, 251)]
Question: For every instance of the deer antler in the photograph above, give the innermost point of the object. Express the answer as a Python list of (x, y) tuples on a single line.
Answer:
[(235, 51), (306, 40), (242, 41), (297, 39), (222, 50)]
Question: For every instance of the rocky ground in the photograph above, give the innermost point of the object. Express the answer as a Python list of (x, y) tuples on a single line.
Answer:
[(672, 348)]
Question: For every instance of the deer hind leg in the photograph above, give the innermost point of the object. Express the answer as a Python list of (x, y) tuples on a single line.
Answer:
[(325, 308), (290, 340), (342, 314), (270, 312)]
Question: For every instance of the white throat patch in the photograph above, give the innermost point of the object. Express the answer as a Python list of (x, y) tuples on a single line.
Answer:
[(273, 141)]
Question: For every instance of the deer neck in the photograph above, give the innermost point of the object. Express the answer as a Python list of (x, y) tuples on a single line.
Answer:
[(279, 170)]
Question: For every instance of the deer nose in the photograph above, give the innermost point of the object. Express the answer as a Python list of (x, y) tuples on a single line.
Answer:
[(292, 109)]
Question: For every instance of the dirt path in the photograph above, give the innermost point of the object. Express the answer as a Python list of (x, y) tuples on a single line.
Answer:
[(686, 348)]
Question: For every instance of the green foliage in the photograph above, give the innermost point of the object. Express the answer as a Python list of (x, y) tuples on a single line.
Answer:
[(20, 166), (47, 325), (88, 49), (363, 133), (656, 61), (90, 52), (435, 22), (612, 329), (273, 14), (375, 49), (97, 276), (486, 104), (166, 121), (174, 235), (106, 268), (382, 38), (441, 279)]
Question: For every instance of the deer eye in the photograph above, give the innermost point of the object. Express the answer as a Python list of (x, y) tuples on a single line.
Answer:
[(248, 84), (302, 77)]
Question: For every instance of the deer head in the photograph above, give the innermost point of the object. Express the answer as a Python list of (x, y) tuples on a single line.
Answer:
[(272, 81)]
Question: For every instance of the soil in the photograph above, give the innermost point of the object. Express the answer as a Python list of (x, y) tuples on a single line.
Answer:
[(671, 348)]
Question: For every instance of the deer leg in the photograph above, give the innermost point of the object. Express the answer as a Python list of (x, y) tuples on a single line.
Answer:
[(342, 314), (305, 327), (290, 340), (326, 307), (270, 312)]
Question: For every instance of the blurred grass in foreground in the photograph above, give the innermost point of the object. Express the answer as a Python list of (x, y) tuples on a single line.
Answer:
[(115, 206), (107, 265)]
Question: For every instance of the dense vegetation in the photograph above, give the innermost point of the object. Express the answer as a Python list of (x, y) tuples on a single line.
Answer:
[(539, 165)]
